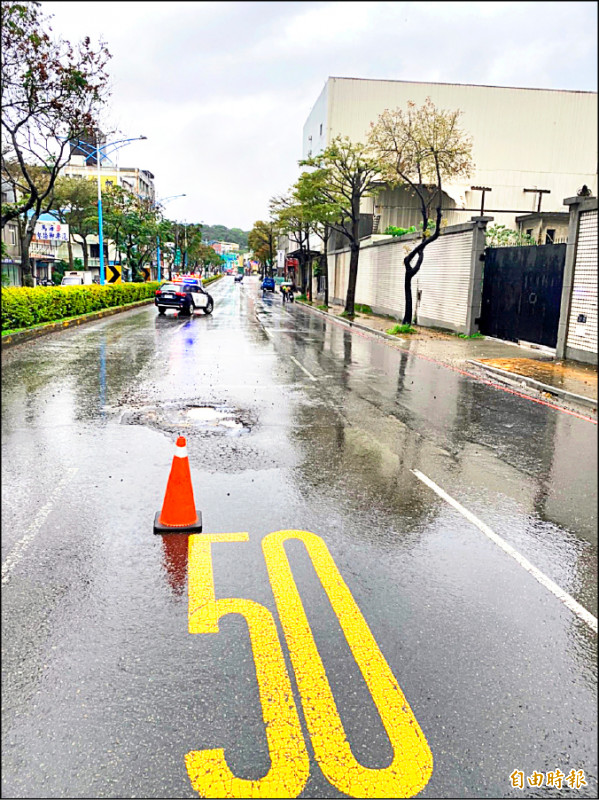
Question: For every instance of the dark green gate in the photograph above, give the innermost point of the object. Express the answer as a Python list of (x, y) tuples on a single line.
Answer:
[(522, 290)]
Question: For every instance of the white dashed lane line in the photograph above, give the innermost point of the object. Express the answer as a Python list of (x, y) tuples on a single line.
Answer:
[(565, 598), (20, 548), (309, 374)]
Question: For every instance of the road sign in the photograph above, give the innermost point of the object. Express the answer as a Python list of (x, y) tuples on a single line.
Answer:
[(113, 273), (145, 271)]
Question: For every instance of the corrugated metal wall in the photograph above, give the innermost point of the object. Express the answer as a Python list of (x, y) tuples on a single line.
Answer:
[(583, 335), (443, 279)]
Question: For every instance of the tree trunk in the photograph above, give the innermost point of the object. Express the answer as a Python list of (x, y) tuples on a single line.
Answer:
[(354, 245), (25, 231), (326, 266), (325, 277), (309, 292), (407, 315), (418, 254), (353, 276), (85, 249), (70, 249)]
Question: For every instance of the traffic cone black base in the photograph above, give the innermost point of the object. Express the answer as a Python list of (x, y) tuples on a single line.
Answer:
[(195, 527)]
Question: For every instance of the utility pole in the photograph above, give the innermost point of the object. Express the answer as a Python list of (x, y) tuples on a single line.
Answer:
[(484, 190), (185, 229), (540, 192)]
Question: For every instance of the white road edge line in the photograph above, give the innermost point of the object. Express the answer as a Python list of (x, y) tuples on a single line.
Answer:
[(309, 374), (20, 548), (565, 598), (178, 328)]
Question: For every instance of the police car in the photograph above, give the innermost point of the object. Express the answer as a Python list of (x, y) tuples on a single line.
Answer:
[(184, 294)]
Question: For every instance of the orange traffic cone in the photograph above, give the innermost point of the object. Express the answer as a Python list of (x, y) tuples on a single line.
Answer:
[(179, 514)]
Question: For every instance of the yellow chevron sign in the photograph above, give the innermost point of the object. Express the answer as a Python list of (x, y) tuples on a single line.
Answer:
[(113, 273)]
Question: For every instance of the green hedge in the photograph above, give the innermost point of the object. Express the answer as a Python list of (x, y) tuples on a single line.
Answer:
[(206, 281), (24, 307)]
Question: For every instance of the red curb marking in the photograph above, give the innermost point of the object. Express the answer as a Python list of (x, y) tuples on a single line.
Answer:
[(468, 374)]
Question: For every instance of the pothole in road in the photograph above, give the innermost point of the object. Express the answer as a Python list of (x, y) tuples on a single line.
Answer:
[(211, 417), (191, 419)]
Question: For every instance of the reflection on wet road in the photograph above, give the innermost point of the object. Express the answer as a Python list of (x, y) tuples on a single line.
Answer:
[(293, 423)]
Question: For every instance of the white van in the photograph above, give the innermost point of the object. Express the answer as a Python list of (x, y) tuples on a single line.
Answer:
[(77, 278)]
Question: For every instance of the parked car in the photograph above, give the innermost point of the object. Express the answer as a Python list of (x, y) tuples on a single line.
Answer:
[(268, 284), (183, 296)]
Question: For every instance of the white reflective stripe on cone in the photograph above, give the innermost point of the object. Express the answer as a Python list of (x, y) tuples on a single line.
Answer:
[(180, 452)]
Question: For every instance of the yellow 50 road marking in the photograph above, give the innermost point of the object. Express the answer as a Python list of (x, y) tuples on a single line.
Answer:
[(207, 769), (412, 763)]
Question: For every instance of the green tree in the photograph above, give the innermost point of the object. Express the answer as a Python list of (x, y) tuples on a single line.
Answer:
[(419, 149), (309, 191), (207, 257), (261, 240), (224, 234), (291, 218), (134, 224), (190, 241), (51, 93), (75, 204), (500, 236), (346, 172)]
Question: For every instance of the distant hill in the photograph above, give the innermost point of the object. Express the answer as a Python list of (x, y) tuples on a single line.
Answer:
[(223, 234)]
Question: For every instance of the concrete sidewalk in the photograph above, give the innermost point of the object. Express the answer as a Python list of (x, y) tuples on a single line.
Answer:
[(527, 367)]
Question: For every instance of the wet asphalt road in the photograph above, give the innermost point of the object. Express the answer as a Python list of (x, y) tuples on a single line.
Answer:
[(314, 428)]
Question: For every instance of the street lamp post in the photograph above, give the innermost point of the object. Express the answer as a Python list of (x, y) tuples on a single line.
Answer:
[(115, 145), (100, 220), (158, 203), (185, 224), (101, 151)]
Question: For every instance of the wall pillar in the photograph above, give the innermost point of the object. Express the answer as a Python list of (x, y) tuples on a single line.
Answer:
[(576, 206), (475, 289)]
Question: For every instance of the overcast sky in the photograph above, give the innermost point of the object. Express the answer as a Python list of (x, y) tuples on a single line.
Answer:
[(222, 90)]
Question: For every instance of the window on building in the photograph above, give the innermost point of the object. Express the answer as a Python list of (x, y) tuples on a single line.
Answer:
[(13, 236), (321, 128), (550, 236), (529, 231), (94, 251)]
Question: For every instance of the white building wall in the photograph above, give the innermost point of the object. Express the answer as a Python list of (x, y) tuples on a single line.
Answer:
[(316, 129), (443, 279), (522, 138), (583, 336)]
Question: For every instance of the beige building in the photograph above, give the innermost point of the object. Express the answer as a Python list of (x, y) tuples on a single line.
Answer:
[(138, 181), (11, 257), (524, 140)]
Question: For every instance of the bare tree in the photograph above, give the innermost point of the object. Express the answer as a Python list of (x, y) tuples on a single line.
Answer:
[(419, 149)]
